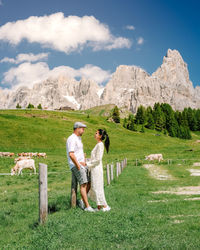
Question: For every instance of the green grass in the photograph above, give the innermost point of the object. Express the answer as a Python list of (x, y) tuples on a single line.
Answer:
[(132, 223)]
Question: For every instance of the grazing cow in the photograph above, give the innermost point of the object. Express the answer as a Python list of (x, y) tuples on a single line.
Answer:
[(42, 155), (153, 157), (35, 154), (6, 154), (22, 158), (29, 163)]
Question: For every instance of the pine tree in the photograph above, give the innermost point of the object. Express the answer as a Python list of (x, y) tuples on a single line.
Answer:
[(198, 119), (142, 129), (39, 106), (132, 125), (159, 117), (125, 123), (115, 115), (150, 122), (192, 122), (18, 106), (140, 115), (30, 106)]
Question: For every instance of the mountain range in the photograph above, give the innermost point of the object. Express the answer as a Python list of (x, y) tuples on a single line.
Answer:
[(129, 87)]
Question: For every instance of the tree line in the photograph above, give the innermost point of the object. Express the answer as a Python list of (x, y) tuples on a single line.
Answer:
[(163, 118), (30, 106)]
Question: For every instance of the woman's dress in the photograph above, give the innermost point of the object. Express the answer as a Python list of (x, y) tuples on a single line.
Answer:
[(95, 165)]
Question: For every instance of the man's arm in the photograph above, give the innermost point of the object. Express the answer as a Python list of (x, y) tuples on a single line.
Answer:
[(73, 158)]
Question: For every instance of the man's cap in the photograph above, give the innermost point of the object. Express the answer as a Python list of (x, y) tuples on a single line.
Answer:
[(79, 125)]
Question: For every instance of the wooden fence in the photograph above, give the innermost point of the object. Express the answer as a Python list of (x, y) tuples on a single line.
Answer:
[(111, 172)]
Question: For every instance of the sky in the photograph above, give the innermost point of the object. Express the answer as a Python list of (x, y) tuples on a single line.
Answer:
[(91, 38)]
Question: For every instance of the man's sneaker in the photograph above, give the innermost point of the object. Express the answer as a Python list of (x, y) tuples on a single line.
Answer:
[(89, 209), (81, 204), (105, 209)]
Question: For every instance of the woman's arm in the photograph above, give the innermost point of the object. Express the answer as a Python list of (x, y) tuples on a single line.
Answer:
[(98, 156)]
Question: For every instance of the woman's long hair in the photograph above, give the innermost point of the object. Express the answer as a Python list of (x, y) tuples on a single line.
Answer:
[(104, 136)]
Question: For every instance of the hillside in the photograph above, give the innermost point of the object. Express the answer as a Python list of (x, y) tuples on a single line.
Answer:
[(134, 220)]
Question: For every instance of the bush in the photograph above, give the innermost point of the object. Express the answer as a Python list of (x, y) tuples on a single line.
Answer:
[(18, 106), (39, 106), (30, 106), (115, 115)]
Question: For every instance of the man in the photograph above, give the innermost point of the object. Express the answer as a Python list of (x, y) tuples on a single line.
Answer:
[(77, 163)]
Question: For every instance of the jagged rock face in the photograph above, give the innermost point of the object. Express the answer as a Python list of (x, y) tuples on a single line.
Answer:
[(129, 87), (56, 93)]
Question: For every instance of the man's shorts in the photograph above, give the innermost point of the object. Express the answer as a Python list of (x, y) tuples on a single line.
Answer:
[(82, 176)]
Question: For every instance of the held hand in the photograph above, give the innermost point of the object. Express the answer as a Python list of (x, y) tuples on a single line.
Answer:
[(78, 167), (83, 164)]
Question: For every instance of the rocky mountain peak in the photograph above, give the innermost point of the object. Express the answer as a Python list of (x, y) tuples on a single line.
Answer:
[(130, 86), (173, 69)]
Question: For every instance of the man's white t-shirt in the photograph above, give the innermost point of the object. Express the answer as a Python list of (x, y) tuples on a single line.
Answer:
[(74, 144)]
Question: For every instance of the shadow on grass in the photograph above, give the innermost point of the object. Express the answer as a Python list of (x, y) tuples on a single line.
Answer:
[(60, 203)]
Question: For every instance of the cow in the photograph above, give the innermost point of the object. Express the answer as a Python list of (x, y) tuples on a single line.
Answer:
[(153, 157), (42, 155), (20, 165), (22, 158), (6, 154)]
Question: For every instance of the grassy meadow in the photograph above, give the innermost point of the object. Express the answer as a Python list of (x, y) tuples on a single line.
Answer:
[(139, 218)]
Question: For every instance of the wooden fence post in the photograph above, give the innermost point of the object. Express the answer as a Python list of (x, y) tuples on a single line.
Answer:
[(117, 170), (122, 166), (111, 172), (43, 197), (136, 162), (126, 161), (108, 174), (73, 191)]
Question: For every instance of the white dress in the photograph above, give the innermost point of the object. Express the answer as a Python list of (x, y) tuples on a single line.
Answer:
[(95, 165)]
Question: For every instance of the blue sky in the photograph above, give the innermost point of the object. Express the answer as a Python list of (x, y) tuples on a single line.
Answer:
[(91, 38)]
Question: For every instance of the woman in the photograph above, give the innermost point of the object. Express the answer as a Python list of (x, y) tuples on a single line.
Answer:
[(95, 165)]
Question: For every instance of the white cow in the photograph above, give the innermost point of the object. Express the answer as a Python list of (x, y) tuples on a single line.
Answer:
[(29, 163), (153, 157), (22, 158), (42, 155)]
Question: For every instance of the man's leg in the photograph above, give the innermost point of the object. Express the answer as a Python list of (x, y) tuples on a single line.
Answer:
[(88, 186), (83, 191), (89, 181)]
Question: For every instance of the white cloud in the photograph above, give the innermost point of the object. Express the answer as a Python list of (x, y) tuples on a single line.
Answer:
[(1, 3), (25, 58), (140, 40), (64, 34), (130, 27), (27, 74), (95, 73)]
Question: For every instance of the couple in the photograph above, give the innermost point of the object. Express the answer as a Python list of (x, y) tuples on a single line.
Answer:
[(89, 174)]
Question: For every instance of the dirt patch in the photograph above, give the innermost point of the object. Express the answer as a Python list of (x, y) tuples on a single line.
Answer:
[(174, 200), (192, 190), (158, 201), (158, 172), (196, 164), (194, 172), (178, 221)]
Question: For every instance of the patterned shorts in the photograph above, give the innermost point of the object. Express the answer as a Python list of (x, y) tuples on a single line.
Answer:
[(81, 176)]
